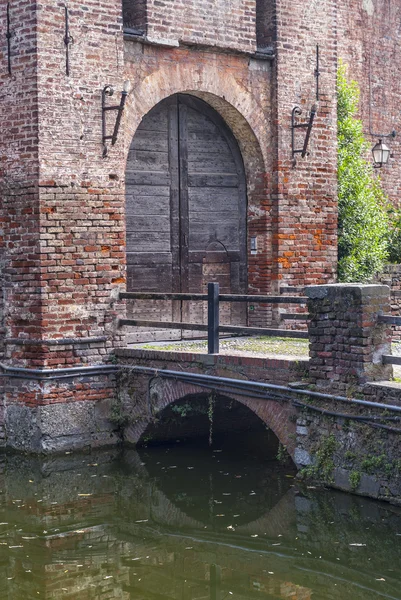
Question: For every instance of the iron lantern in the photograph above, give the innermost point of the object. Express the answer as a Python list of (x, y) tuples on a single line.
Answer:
[(381, 154)]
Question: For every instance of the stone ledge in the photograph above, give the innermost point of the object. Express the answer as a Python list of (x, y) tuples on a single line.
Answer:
[(390, 385), (216, 359), (318, 292)]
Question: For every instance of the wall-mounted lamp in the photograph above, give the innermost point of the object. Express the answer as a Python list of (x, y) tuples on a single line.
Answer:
[(108, 90), (381, 152)]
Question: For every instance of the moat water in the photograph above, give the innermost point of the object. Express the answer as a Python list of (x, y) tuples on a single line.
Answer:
[(188, 523)]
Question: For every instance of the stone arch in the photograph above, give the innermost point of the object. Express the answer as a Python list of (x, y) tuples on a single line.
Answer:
[(279, 418), (242, 114), (230, 102), (255, 159)]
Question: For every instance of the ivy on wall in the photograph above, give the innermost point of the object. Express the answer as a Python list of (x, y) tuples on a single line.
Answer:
[(363, 225)]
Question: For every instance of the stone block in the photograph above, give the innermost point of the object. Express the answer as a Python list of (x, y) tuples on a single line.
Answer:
[(69, 419), (23, 428), (302, 458)]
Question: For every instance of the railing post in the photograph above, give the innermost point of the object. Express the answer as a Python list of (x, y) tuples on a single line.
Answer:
[(213, 318)]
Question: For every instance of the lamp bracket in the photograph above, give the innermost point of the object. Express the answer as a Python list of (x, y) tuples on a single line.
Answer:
[(392, 134), (297, 112)]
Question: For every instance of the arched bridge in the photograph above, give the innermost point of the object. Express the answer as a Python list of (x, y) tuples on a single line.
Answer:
[(151, 382)]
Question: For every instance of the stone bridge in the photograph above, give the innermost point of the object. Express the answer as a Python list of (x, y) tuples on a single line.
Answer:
[(335, 412), (154, 393)]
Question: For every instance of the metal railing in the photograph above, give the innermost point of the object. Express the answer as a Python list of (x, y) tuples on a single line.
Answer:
[(213, 327)]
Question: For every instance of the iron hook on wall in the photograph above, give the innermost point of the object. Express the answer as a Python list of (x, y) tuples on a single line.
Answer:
[(68, 39), (317, 73), (8, 36), (297, 112), (108, 91)]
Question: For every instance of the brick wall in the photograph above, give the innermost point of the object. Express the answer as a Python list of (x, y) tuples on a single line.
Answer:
[(79, 209), (18, 158), (63, 243), (361, 458), (370, 45), (391, 276), (79, 219), (19, 103), (18, 173), (63, 223), (224, 23), (346, 339), (305, 195)]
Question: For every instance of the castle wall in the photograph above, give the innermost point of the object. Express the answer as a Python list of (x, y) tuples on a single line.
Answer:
[(305, 194), (64, 201), (222, 23), (64, 227)]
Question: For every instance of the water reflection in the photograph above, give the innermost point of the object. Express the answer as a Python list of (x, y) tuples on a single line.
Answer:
[(187, 523)]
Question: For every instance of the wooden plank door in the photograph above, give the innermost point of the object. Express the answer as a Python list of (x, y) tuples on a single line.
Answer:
[(152, 217), (213, 210), (186, 213)]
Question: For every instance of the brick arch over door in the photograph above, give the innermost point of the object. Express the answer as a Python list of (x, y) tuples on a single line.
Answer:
[(186, 211)]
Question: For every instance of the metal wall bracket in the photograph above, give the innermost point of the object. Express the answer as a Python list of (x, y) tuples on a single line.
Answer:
[(392, 134), (108, 91), (317, 73), (8, 36), (68, 39), (297, 112)]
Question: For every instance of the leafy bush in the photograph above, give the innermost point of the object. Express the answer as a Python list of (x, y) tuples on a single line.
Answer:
[(363, 218), (394, 236)]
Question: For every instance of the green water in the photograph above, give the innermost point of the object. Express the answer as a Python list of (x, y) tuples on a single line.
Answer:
[(186, 523)]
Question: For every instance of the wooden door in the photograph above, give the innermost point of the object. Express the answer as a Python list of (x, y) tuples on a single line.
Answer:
[(186, 213)]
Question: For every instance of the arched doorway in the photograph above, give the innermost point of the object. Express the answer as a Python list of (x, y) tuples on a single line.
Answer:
[(186, 212)]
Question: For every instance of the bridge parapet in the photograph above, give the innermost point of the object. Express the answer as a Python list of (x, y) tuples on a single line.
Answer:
[(347, 338)]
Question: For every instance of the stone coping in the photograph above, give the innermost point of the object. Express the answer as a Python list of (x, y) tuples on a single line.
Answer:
[(270, 361), (391, 385)]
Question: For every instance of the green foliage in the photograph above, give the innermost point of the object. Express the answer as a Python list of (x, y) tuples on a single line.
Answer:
[(323, 465), (282, 454), (116, 415), (372, 464), (363, 219), (182, 409), (394, 236), (355, 480)]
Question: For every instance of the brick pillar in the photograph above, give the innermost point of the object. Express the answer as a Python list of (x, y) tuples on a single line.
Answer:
[(346, 339)]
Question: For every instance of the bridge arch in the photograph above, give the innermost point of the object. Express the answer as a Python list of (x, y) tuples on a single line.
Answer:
[(163, 393)]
